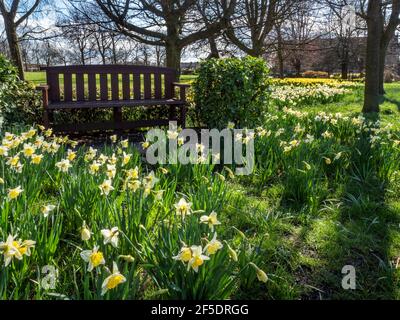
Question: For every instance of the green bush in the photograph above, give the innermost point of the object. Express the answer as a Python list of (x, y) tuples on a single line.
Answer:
[(232, 90), (19, 102)]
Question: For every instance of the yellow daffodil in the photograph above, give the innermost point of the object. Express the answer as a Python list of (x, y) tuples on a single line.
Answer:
[(145, 145), (94, 257), (185, 255), (28, 150), (36, 158), (111, 236), (211, 220), (183, 208), (213, 246), (114, 280), (197, 259), (132, 173), (126, 158), (106, 187), (46, 210), (94, 168), (14, 193), (71, 155)]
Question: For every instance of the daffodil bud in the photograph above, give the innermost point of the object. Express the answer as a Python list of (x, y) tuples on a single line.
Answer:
[(261, 275), (127, 258), (232, 253), (85, 232)]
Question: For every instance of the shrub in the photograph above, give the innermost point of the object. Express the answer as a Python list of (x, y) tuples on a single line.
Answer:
[(19, 102), (231, 90)]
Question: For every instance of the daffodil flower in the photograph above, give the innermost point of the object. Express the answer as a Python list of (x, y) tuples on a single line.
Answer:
[(14, 193), (211, 220), (63, 165), (85, 232), (36, 158), (111, 236), (213, 246), (197, 258), (184, 255), (15, 249), (46, 210), (183, 208), (106, 187), (112, 281), (94, 257)]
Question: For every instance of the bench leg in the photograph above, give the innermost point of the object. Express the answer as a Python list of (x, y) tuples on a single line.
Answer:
[(47, 118), (172, 113), (118, 118)]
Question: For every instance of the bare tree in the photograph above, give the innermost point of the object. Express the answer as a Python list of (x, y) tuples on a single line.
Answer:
[(254, 20), (173, 24), (15, 13)]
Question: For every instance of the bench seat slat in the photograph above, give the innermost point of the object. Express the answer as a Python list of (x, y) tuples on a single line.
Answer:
[(112, 104)]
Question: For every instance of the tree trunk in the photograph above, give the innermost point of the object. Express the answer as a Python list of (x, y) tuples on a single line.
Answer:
[(15, 50), (173, 59), (382, 63), (213, 48), (374, 24), (280, 53)]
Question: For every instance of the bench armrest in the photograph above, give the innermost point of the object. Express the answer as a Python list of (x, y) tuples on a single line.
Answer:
[(182, 87), (43, 87), (45, 94)]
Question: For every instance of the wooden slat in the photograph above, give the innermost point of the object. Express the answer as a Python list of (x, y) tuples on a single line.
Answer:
[(132, 69), (114, 86), (169, 79), (137, 86), (103, 87), (92, 87), (67, 87), (113, 104), (109, 125), (126, 83), (54, 83), (147, 86), (80, 87), (157, 86)]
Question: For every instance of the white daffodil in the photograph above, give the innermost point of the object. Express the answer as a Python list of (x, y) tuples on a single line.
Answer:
[(46, 210), (111, 236), (211, 220), (94, 257)]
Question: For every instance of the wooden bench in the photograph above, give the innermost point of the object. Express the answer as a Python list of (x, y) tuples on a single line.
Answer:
[(112, 86)]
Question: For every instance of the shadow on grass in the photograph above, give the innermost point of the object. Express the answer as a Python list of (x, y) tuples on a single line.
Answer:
[(358, 232)]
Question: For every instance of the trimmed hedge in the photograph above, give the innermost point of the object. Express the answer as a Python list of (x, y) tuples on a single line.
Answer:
[(232, 90)]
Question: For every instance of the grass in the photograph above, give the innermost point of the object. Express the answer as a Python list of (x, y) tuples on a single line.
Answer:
[(308, 210), (40, 78)]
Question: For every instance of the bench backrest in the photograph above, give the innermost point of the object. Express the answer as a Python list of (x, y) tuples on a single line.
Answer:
[(109, 82)]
